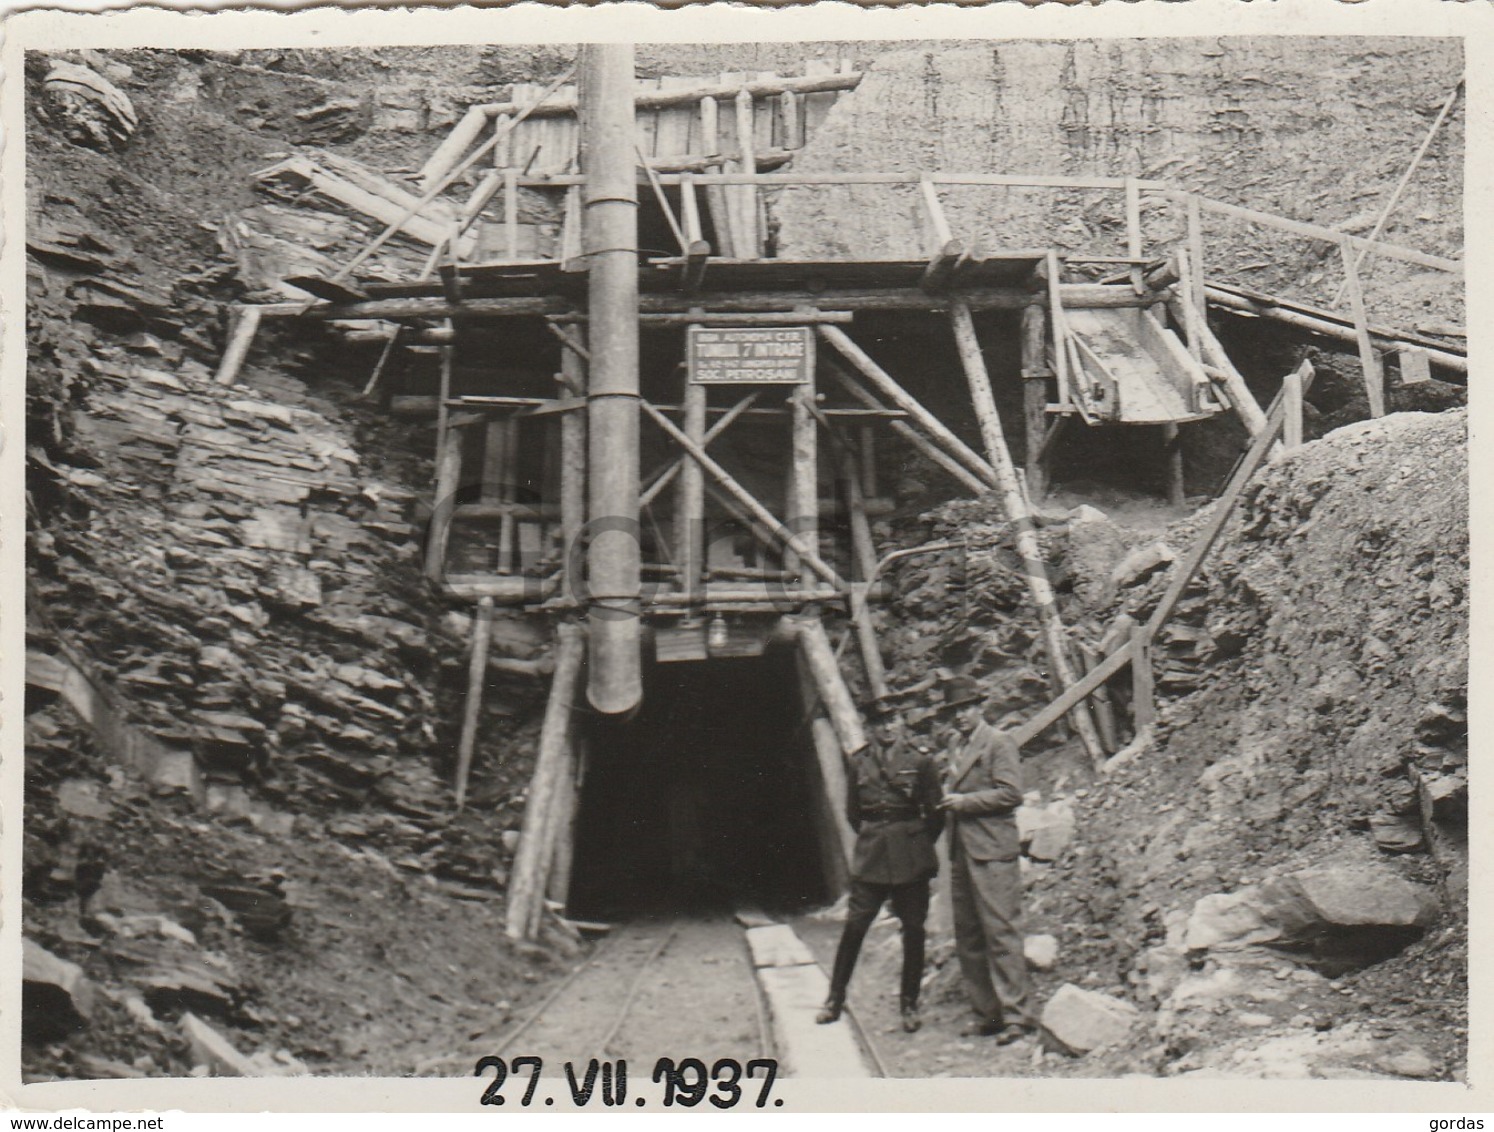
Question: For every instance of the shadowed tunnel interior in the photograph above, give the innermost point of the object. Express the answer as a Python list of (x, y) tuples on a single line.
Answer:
[(709, 798)]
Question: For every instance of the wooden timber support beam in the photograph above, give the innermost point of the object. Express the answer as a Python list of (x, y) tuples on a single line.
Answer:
[(819, 658), (745, 498), (556, 759), (935, 429), (1014, 503), (915, 439), (1079, 296), (477, 669)]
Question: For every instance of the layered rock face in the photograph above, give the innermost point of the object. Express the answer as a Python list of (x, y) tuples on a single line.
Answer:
[(1250, 121)]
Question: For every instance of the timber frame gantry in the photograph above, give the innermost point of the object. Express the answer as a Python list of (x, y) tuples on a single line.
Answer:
[(586, 464)]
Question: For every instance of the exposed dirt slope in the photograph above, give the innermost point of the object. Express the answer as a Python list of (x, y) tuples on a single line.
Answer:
[(1306, 128)]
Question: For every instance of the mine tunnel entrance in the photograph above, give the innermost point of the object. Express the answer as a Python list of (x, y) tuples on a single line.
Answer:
[(710, 798)]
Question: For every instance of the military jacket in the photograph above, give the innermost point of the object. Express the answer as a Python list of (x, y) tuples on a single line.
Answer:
[(893, 795)]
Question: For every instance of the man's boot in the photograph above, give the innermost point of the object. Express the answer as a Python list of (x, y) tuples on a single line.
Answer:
[(911, 1019), (831, 1011)]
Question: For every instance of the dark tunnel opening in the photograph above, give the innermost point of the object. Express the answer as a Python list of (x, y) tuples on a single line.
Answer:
[(707, 800)]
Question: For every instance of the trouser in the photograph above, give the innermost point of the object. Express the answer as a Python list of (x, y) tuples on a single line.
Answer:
[(986, 898), (910, 904)]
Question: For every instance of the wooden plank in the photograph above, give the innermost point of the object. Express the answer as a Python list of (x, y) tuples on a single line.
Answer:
[(943, 235), (1291, 425), (1055, 710), (807, 1051), (776, 945), (1196, 294), (1328, 235), (1143, 681), (1369, 360)]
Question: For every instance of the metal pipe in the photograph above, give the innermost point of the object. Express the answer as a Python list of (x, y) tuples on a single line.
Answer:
[(610, 232)]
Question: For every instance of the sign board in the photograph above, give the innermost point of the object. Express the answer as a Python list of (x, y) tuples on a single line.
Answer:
[(751, 355)]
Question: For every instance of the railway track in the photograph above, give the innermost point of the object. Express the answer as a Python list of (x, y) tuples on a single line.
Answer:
[(677, 988)]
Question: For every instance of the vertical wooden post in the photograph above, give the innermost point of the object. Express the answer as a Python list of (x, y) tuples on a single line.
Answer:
[(868, 446), (494, 459), (1291, 406), (793, 135), (1134, 244), (747, 194), (1143, 680), (511, 212), (1035, 374), (689, 500), (477, 678), (802, 506), (717, 196), (1058, 326), (567, 798), (509, 494), (448, 479), (526, 881), (1196, 293), (242, 328), (1193, 333), (1014, 503), (503, 152), (1100, 703), (1172, 445), (690, 209), (572, 476), (1374, 378), (863, 549), (614, 555)]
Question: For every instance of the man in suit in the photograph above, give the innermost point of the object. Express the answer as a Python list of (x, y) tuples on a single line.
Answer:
[(893, 805), (985, 790)]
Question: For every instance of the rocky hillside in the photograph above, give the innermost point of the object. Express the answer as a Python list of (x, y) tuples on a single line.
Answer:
[(1275, 882)]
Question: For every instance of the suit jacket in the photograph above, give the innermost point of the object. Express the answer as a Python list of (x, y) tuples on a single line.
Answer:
[(897, 778), (984, 820)]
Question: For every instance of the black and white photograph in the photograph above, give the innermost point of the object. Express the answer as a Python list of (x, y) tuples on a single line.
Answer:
[(647, 575)]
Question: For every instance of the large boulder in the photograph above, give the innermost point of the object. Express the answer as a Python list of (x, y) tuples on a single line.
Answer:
[(1095, 546), (56, 997), (1226, 920), (1078, 1021), (1347, 916)]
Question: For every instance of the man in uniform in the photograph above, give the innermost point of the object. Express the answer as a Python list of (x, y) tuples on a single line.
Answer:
[(985, 789), (893, 805)]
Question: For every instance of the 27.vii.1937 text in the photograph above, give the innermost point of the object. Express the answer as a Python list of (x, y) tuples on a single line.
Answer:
[(688, 1082)]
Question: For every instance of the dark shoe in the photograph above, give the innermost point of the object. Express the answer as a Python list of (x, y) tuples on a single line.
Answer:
[(830, 1012), (1014, 1033), (912, 1022), (987, 1029)]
